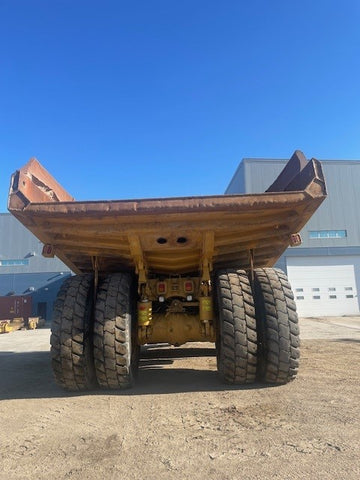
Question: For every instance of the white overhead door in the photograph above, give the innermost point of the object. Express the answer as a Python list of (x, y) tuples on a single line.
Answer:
[(324, 285)]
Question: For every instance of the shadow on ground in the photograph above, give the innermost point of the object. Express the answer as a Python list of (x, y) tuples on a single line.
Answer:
[(348, 340), (29, 375)]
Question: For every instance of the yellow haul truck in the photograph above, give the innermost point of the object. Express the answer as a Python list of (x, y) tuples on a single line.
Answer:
[(174, 270)]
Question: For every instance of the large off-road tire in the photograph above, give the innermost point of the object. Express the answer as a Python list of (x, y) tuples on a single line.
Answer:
[(236, 333), (116, 352), (71, 334), (277, 326)]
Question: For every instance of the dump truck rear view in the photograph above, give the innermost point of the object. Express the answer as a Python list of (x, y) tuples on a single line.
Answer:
[(171, 270)]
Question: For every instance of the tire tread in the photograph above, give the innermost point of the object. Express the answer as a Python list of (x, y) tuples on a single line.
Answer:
[(112, 332), (71, 340), (278, 328), (237, 327)]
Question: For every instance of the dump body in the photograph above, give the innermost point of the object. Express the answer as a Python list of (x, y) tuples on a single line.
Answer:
[(167, 235)]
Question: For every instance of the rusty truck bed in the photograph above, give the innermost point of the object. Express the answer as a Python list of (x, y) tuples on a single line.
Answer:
[(167, 235)]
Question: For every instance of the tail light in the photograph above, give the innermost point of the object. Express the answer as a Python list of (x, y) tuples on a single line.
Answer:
[(161, 287)]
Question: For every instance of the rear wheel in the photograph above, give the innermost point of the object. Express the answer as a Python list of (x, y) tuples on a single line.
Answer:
[(115, 349), (236, 337), (71, 339), (277, 326)]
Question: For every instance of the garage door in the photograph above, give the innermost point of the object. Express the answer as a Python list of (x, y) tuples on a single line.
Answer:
[(324, 285)]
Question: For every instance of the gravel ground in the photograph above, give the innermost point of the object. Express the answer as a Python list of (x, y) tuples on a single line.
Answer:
[(179, 422)]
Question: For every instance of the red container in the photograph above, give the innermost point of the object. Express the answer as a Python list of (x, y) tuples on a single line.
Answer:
[(15, 306)]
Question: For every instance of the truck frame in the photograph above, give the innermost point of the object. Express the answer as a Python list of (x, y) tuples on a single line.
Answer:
[(171, 270)]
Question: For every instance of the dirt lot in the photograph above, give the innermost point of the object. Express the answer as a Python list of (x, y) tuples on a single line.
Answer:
[(180, 422)]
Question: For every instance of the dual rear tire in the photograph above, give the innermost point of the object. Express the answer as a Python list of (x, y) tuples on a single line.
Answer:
[(258, 331), (93, 343)]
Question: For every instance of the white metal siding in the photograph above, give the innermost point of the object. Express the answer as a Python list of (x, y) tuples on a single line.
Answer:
[(326, 285)]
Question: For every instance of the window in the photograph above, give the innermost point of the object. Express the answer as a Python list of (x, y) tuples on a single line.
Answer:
[(348, 289), (300, 297), (316, 297), (332, 289), (349, 296), (332, 296), (14, 262), (316, 289), (299, 289), (327, 234)]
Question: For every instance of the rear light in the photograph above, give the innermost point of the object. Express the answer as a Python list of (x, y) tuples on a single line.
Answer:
[(48, 251), (161, 287), (189, 286), (295, 240)]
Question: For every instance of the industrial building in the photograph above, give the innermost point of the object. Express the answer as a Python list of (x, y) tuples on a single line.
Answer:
[(25, 276), (325, 270)]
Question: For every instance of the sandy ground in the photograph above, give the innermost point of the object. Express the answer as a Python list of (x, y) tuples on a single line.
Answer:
[(179, 422)]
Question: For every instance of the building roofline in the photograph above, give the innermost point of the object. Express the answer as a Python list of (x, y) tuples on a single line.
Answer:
[(283, 160)]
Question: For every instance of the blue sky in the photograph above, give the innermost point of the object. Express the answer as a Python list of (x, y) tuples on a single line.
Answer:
[(125, 99)]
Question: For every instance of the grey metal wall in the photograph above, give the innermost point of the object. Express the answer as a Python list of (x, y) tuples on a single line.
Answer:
[(27, 283), (340, 211), (16, 242), (41, 277)]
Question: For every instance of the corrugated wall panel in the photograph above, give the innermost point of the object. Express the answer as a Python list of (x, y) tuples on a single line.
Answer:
[(237, 183), (338, 212), (17, 243)]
